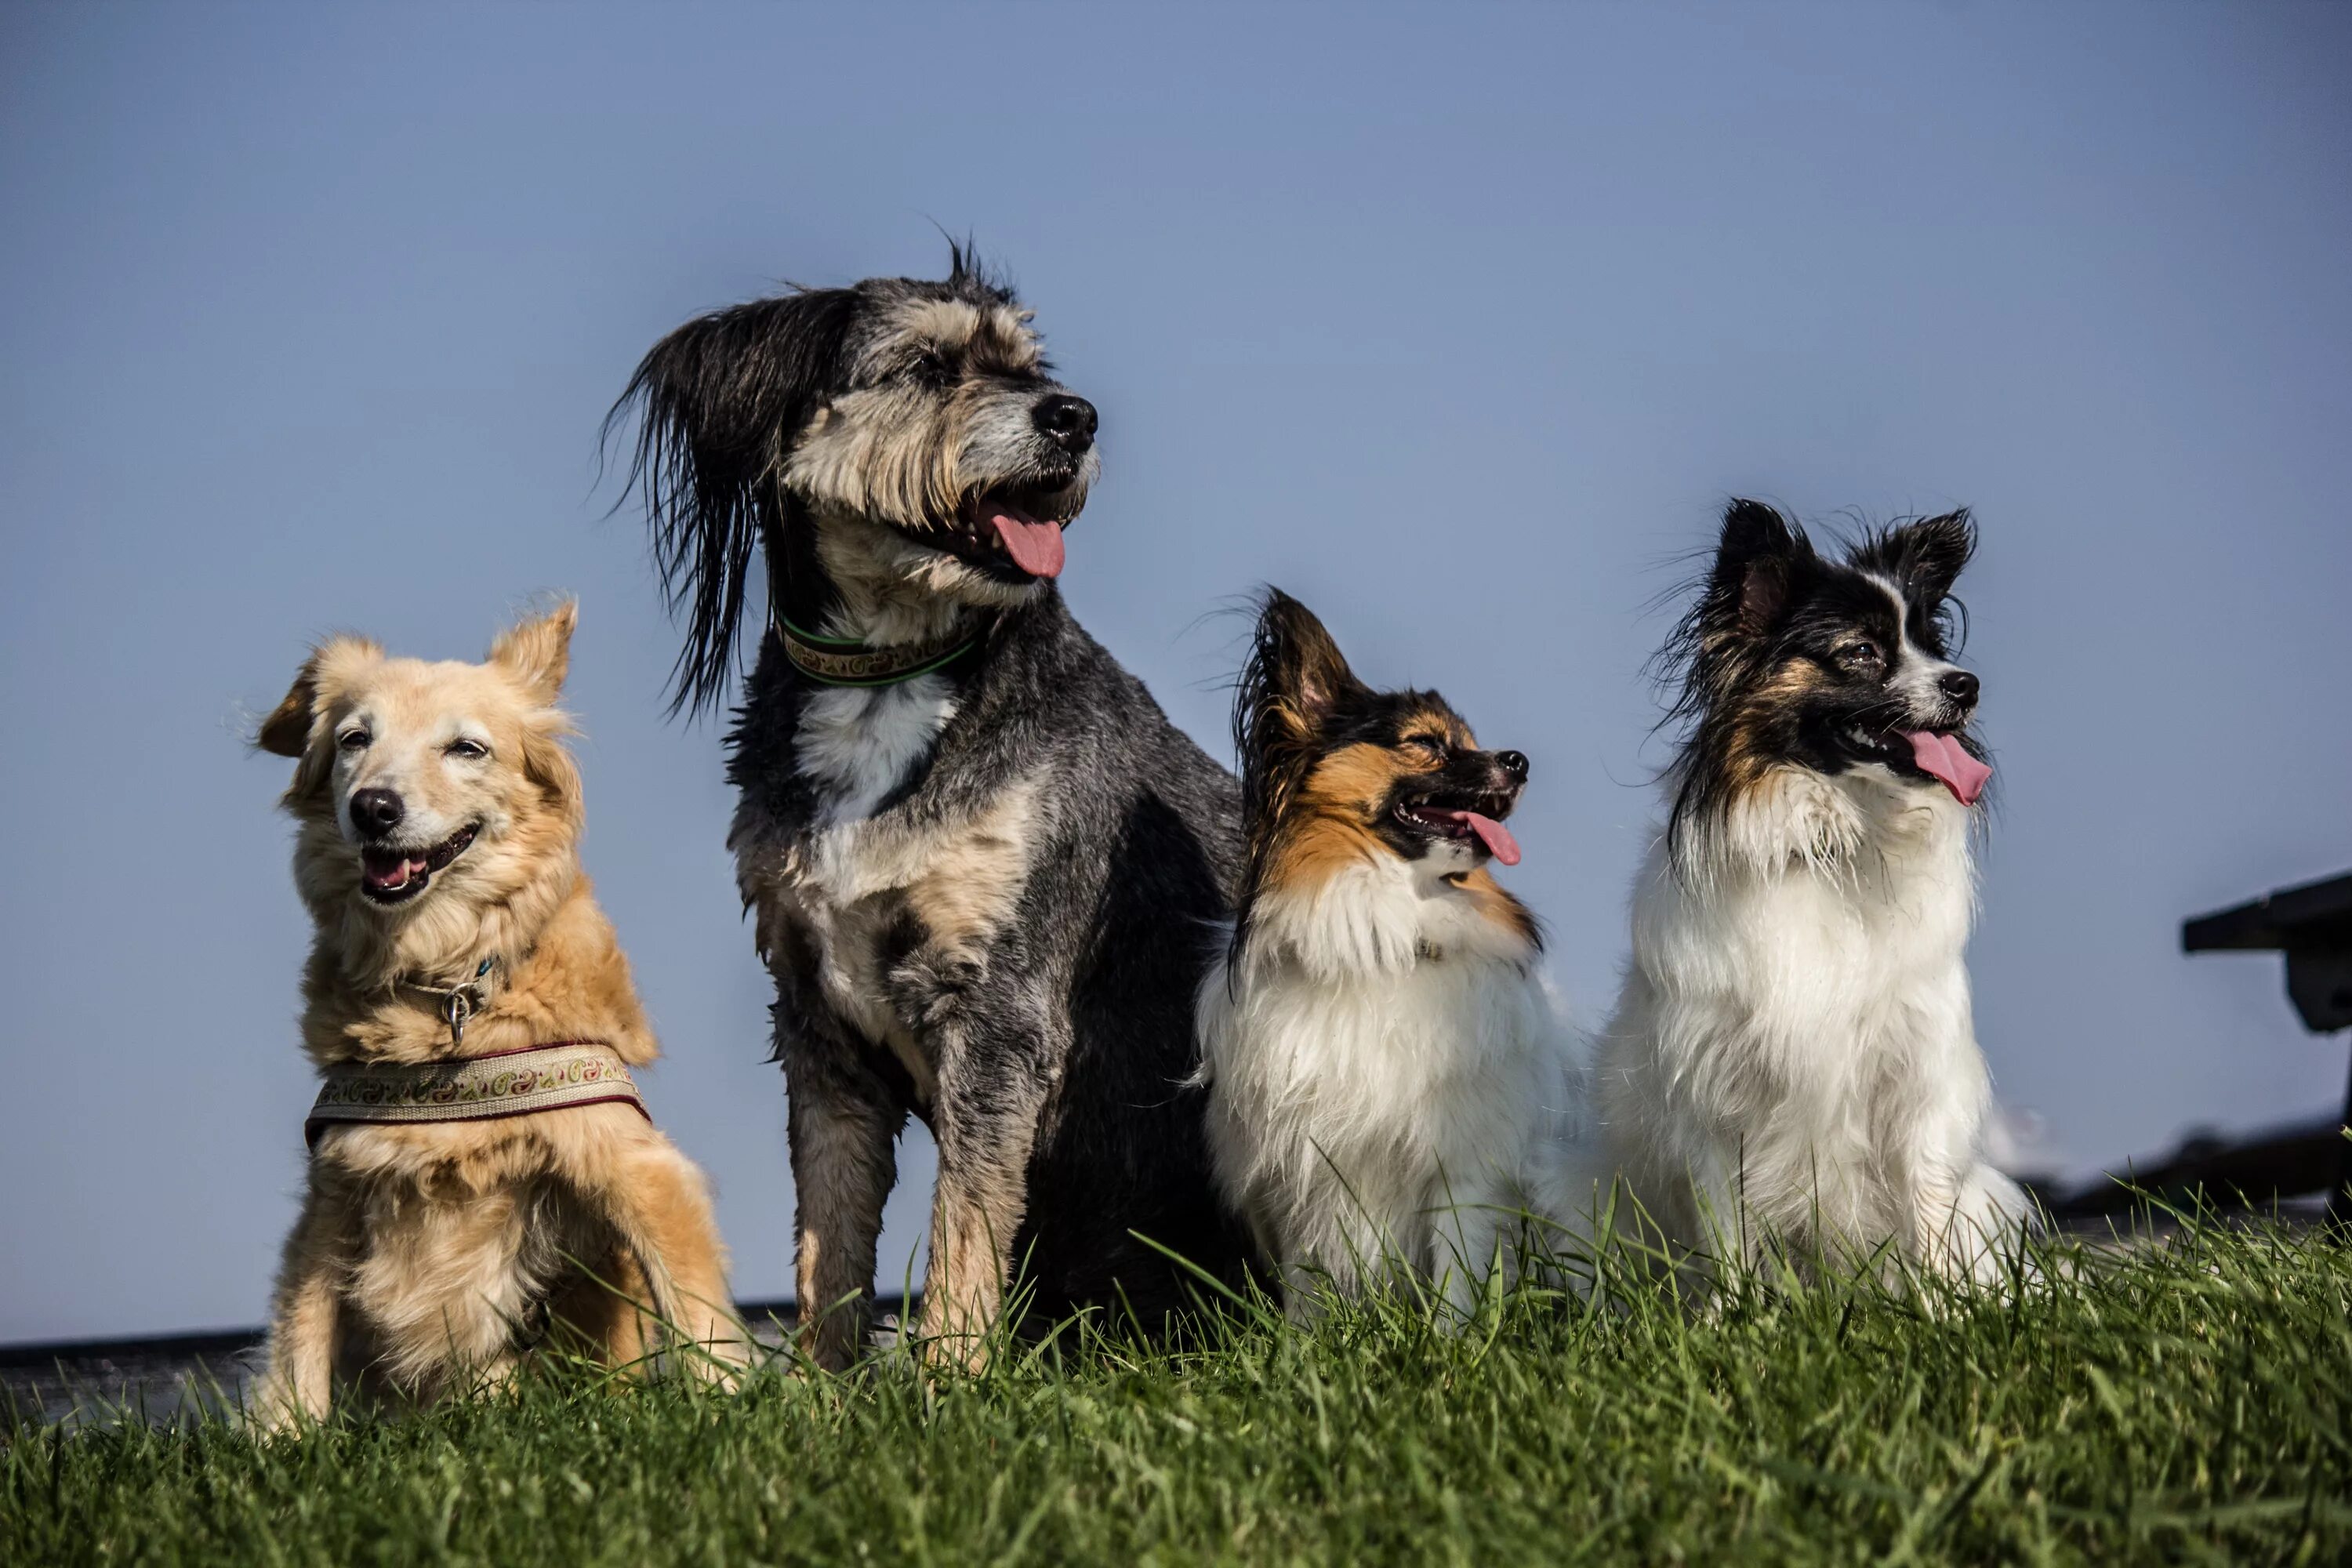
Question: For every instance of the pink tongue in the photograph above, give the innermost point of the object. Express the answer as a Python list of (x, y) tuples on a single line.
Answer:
[(1035, 547), (1495, 835), (1943, 757)]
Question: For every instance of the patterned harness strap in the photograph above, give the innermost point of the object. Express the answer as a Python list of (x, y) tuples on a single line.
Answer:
[(481, 1088)]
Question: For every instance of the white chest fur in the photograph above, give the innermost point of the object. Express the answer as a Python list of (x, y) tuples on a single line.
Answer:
[(856, 744), (1828, 918), (1795, 1039), (851, 873), (1378, 1064)]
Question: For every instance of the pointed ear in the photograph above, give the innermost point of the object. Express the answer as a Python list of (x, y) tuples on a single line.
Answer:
[(718, 403), (1305, 673), (1928, 556), (1755, 564), (1295, 680), (538, 652), (286, 732)]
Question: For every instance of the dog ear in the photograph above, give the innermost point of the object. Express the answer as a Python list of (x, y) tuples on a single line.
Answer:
[(547, 762), (717, 402), (538, 652), (1293, 683), (1928, 556), (286, 732), (1755, 563), (1305, 674)]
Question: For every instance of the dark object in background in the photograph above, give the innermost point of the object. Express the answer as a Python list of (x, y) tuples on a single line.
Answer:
[(2264, 1171), (2311, 924)]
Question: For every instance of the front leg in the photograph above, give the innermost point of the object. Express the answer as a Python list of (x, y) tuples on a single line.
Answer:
[(305, 1312), (656, 1202), (1470, 1238), (1967, 1222), (843, 1122), (985, 1123), (1966, 1217)]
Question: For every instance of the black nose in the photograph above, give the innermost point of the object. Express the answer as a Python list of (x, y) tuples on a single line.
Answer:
[(376, 811), (1514, 764), (1068, 422), (1958, 685)]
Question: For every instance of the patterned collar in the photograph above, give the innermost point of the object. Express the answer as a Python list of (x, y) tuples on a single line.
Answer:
[(479, 1089), (846, 661)]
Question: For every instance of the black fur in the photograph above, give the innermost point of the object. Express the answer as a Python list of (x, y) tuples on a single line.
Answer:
[(714, 401), (1296, 702), (1074, 1022), (1773, 601)]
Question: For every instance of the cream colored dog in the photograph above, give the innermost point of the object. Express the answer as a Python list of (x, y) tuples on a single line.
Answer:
[(481, 1173)]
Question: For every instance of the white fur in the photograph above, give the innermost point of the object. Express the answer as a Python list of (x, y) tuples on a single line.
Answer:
[(1919, 674), (1380, 1063), (1792, 1053), (856, 744)]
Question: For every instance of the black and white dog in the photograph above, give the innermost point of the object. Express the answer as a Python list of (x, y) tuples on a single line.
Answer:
[(1792, 1055), (984, 866)]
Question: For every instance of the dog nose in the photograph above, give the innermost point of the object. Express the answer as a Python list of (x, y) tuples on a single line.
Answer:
[(1068, 422), (1958, 685), (376, 811), (1514, 764)]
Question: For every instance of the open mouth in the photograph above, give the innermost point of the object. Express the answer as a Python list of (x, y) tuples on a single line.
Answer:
[(1474, 820), (1018, 527), (1936, 754), (395, 875)]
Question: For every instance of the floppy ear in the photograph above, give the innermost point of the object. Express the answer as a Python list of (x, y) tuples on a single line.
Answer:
[(286, 732), (538, 652), (1928, 556), (718, 401), (1755, 560)]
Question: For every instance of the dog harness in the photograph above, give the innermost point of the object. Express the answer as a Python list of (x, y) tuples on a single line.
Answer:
[(522, 1082), (846, 661)]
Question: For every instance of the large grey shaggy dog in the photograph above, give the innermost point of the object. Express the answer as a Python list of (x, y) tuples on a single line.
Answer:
[(983, 864)]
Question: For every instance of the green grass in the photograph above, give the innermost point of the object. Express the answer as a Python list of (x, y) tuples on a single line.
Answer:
[(2192, 1403)]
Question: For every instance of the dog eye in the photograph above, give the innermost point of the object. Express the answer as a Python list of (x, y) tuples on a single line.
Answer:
[(472, 751), (353, 740), (1429, 746), (1860, 654), (935, 366)]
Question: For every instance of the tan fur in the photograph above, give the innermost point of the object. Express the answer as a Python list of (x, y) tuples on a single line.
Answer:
[(889, 450), (1326, 821), (963, 881), (428, 1255), (1750, 756)]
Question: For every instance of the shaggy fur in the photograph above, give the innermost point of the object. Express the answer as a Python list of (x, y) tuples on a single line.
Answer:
[(427, 1256), (1792, 1054), (1381, 1055), (983, 891)]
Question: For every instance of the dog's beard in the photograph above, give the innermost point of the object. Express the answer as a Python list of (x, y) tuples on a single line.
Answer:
[(913, 581), (894, 590), (924, 511)]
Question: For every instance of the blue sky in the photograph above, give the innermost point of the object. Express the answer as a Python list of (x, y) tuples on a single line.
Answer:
[(1461, 324)]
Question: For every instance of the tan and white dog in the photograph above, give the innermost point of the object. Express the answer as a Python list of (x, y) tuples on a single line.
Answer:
[(482, 1172), (1385, 1065)]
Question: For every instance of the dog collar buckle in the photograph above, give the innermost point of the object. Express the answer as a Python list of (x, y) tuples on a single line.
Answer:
[(456, 1007), (459, 1004)]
